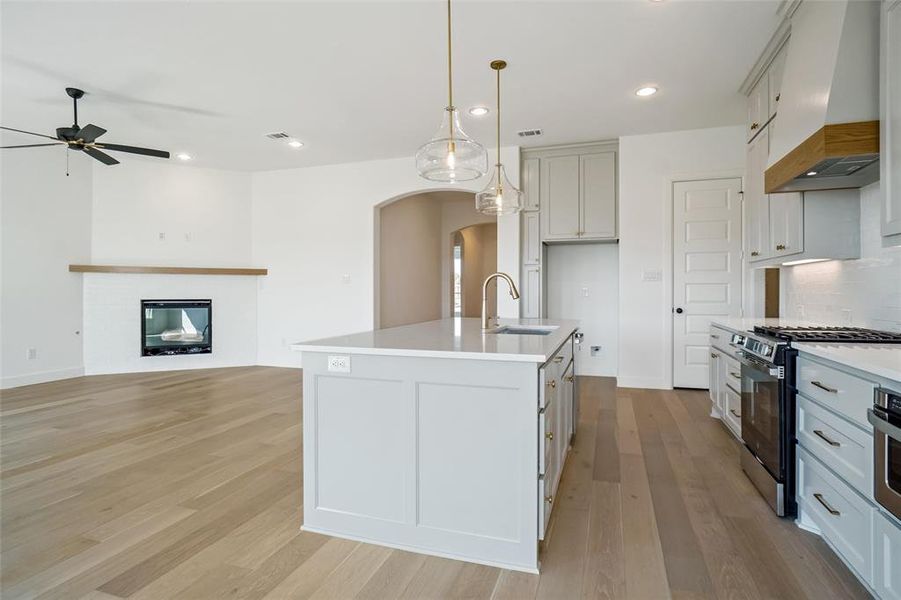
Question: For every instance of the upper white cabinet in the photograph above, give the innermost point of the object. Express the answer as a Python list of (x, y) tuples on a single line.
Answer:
[(757, 204), (786, 223), (560, 198), (597, 196), (531, 241), (890, 117), (774, 75), (578, 195), (531, 179), (758, 107)]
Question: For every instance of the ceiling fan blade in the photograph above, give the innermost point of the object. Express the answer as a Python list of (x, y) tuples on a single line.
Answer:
[(89, 133), (32, 145), (133, 150), (49, 137), (101, 156)]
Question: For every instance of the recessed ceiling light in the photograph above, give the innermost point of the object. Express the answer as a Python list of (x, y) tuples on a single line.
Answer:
[(478, 111), (183, 156), (646, 91), (295, 143), (811, 173)]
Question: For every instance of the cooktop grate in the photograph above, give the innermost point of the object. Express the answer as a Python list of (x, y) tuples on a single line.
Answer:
[(856, 335)]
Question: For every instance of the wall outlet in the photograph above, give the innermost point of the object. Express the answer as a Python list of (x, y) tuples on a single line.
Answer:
[(189, 236), (585, 292), (162, 236), (31, 353), (345, 278), (339, 364)]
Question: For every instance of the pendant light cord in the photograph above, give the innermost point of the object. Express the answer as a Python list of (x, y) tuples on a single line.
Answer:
[(498, 124), (450, 77)]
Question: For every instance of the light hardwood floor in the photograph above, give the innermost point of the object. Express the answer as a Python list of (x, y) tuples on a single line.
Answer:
[(188, 485)]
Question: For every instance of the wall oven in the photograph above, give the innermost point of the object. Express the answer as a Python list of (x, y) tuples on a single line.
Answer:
[(767, 421), (885, 417)]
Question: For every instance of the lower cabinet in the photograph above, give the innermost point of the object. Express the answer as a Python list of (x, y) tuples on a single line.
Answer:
[(555, 423), (732, 412), (844, 518), (887, 558), (716, 396)]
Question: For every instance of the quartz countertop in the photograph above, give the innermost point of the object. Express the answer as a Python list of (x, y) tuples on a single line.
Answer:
[(451, 338), (883, 360)]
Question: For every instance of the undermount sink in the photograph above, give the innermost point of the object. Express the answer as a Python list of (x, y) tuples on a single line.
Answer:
[(525, 329)]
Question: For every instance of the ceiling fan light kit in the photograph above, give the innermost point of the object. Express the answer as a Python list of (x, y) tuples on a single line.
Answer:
[(500, 197), (451, 155), (85, 138)]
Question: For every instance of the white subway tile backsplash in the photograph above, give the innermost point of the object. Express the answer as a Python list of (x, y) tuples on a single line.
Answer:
[(866, 290)]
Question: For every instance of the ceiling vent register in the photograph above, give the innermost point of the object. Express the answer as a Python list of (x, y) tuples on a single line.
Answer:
[(529, 133)]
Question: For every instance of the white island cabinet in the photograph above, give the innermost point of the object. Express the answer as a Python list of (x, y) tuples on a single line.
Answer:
[(438, 438)]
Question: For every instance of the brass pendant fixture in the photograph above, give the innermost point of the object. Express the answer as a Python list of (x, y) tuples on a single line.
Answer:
[(451, 155), (500, 197)]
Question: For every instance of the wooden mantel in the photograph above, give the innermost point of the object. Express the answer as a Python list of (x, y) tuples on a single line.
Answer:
[(167, 270)]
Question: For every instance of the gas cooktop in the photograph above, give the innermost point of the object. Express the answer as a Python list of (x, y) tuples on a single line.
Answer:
[(847, 335)]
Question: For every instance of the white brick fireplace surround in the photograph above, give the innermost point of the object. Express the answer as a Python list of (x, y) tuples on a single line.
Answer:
[(112, 320)]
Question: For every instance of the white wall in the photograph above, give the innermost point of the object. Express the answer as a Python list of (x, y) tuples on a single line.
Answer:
[(864, 292), (648, 166), (204, 215), (46, 224), (573, 271), (314, 229)]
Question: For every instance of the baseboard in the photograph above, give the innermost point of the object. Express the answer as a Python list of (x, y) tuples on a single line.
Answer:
[(42, 377), (642, 382)]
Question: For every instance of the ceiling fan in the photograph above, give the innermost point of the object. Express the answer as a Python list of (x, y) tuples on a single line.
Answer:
[(85, 138)]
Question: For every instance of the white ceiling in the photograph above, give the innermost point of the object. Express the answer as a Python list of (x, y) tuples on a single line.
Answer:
[(359, 81)]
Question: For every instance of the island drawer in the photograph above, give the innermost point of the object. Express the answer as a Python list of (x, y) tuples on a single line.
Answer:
[(846, 449), (846, 394), (547, 421), (733, 372), (720, 338), (564, 355)]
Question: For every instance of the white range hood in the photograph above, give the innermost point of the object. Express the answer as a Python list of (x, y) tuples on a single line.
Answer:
[(826, 134)]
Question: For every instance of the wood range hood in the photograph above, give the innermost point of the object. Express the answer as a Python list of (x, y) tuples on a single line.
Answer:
[(836, 157)]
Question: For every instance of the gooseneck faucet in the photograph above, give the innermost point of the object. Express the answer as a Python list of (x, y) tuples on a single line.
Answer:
[(514, 293)]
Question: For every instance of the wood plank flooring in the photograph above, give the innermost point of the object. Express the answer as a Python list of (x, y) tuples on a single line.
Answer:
[(187, 485)]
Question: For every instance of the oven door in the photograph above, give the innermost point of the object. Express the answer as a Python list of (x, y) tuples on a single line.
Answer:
[(887, 460), (761, 412)]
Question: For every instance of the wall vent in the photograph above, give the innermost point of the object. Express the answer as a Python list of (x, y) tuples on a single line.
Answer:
[(277, 135), (529, 133)]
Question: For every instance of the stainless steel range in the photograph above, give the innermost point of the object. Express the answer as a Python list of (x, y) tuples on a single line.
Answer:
[(768, 391)]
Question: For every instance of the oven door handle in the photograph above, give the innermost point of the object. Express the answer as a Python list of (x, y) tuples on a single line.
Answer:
[(883, 426)]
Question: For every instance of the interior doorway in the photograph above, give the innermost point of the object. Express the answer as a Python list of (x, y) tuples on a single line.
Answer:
[(707, 270), (430, 249)]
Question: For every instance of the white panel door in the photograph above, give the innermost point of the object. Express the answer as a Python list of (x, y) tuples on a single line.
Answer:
[(706, 270)]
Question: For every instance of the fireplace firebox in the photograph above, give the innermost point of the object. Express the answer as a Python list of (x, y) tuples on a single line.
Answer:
[(170, 327)]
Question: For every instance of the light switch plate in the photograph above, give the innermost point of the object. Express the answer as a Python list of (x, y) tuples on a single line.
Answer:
[(338, 364), (652, 275)]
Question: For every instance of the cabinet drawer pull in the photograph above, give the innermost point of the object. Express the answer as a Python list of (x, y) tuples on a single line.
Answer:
[(558, 359), (552, 383), (778, 97), (714, 336), (754, 126), (755, 253), (549, 499), (825, 504), (824, 387), (571, 378), (780, 246), (714, 355), (736, 375), (549, 435), (823, 437), (734, 414)]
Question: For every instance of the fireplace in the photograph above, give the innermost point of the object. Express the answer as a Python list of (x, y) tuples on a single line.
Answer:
[(170, 327)]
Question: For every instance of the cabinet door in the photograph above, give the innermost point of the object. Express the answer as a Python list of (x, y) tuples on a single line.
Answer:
[(567, 398), (786, 223), (560, 198), (887, 558), (598, 195), (757, 107), (757, 203), (530, 181), (774, 74), (531, 241), (714, 366), (530, 301), (890, 118)]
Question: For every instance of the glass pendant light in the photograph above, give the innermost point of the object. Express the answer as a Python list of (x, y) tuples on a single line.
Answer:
[(500, 197), (451, 155)]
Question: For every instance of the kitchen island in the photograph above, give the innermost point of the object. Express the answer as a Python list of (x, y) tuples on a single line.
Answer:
[(439, 438)]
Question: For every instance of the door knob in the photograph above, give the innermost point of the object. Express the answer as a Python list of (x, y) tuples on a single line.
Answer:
[(780, 246), (679, 311)]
